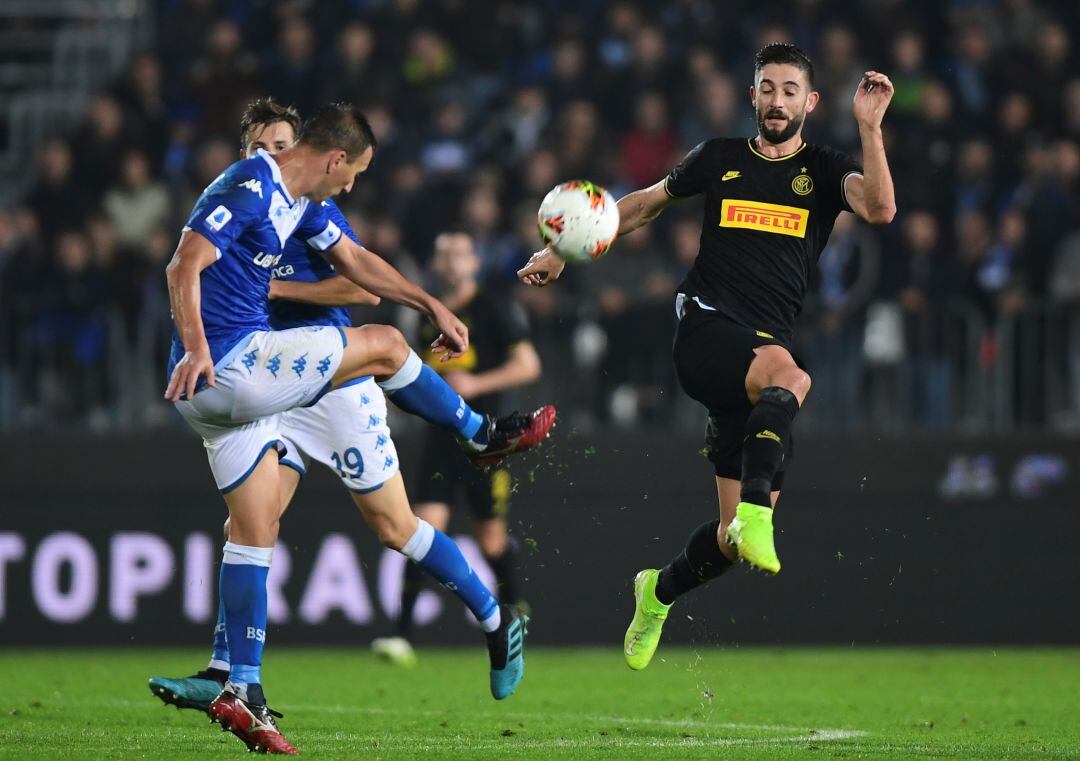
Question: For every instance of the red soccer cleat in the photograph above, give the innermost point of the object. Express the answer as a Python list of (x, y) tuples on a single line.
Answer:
[(513, 433), (254, 724)]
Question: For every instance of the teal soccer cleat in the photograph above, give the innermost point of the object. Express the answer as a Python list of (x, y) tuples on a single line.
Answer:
[(190, 692), (506, 648)]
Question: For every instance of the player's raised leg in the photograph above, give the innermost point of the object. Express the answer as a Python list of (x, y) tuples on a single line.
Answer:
[(776, 387), (382, 351), (387, 512)]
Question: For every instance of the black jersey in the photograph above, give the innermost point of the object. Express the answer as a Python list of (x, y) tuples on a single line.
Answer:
[(765, 224), (495, 326)]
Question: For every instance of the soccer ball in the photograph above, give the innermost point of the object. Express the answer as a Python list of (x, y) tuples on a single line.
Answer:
[(579, 220)]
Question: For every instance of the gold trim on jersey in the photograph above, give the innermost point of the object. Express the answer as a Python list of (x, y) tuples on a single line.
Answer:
[(796, 152), (764, 217)]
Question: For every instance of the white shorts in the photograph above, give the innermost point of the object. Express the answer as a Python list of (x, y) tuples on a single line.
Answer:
[(273, 371), (347, 432), (239, 418)]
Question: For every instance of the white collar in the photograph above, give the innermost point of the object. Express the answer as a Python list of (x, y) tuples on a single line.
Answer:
[(275, 170)]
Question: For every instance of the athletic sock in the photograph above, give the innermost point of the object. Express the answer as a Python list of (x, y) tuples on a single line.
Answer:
[(768, 430), (504, 567), (219, 659), (437, 554), (700, 561), (419, 390), (411, 586), (243, 597)]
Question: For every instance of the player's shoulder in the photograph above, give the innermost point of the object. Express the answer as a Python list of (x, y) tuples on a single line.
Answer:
[(827, 154), (251, 180)]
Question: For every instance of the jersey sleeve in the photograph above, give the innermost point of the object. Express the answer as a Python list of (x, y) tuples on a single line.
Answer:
[(338, 218), (317, 229), (231, 204), (691, 175), (838, 167)]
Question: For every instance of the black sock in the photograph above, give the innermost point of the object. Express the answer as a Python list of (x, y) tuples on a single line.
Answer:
[(412, 584), (699, 562), (505, 569), (767, 432)]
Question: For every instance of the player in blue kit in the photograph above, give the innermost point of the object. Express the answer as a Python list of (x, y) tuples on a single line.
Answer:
[(235, 381)]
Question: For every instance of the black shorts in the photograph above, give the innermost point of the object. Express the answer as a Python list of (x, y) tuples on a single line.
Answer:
[(445, 475), (712, 356)]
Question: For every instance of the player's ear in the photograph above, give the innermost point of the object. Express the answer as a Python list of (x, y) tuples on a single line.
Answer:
[(812, 100), (753, 96)]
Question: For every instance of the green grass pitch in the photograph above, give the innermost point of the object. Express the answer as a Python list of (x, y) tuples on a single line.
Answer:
[(574, 704)]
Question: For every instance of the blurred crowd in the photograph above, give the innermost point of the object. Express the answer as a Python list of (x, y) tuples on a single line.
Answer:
[(480, 108)]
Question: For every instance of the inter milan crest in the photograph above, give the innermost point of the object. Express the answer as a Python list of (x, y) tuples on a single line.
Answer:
[(802, 184)]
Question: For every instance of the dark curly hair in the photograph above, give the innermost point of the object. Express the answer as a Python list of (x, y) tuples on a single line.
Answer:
[(783, 52)]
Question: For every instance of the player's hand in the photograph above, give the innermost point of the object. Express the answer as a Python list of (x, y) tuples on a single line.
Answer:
[(186, 374), (454, 339), (544, 268), (872, 98)]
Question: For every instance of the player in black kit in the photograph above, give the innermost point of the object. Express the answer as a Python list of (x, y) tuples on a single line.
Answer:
[(500, 357), (770, 205)]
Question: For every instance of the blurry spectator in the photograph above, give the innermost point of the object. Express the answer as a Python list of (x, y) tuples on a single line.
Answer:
[(972, 68), (847, 277), (517, 130), (225, 78), (649, 150), (142, 95), (448, 151), (290, 72), (351, 72), (909, 75), (927, 280), (101, 144), (58, 201), (138, 204), (634, 298), (974, 185), (1065, 290)]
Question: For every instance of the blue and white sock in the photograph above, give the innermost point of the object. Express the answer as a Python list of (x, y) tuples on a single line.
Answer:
[(220, 658), (437, 554), (419, 390), (243, 597)]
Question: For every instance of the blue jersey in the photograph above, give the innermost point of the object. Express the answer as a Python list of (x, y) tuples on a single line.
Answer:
[(248, 214), (306, 264)]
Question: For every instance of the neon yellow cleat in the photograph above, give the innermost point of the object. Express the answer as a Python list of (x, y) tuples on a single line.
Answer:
[(649, 615), (752, 533)]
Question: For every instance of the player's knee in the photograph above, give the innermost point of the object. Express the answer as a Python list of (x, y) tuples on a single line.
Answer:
[(392, 536)]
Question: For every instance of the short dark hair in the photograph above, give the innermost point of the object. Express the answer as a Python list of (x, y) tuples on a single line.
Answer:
[(338, 126), (264, 112), (783, 52)]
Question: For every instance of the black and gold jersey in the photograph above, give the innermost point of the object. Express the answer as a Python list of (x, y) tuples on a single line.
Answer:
[(496, 324), (765, 224)]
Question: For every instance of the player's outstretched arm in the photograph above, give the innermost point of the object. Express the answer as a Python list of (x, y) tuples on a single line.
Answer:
[(374, 274), (194, 254), (337, 291), (636, 209), (871, 196)]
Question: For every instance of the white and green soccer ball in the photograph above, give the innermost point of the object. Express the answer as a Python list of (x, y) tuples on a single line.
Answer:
[(579, 220)]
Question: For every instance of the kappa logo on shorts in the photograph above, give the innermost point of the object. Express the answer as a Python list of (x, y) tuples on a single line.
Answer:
[(381, 440), (274, 364), (300, 365), (249, 361), (323, 366), (765, 217), (374, 420)]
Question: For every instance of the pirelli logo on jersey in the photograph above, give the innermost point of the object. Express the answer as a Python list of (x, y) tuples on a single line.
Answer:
[(766, 217)]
